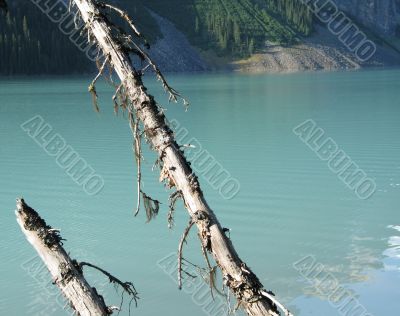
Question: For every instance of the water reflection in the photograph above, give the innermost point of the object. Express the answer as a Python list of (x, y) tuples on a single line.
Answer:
[(392, 253)]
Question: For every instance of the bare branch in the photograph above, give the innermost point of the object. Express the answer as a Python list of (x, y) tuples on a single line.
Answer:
[(211, 270), (128, 287), (124, 15), (92, 86), (180, 248), (115, 97), (137, 49), (134, 125), (173, 199)]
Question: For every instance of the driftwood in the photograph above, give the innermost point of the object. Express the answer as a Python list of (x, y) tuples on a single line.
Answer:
[(66, 273), (242, 282)]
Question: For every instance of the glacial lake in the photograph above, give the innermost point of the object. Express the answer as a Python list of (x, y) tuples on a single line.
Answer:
[(292, 209)]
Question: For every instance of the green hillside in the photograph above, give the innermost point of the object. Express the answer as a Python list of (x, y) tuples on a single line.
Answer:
[(31, 44), (236, 27)]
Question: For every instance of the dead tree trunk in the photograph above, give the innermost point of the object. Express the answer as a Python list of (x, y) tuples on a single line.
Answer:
[(66, 273), (242, 282)]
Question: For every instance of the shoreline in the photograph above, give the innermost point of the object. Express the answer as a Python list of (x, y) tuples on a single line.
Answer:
[(206, 72), (321, 51)]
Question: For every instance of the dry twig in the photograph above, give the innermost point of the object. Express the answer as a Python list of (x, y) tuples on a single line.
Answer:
[(180, 249)]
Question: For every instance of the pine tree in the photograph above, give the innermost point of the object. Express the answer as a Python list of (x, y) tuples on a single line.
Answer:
[(25, 28)]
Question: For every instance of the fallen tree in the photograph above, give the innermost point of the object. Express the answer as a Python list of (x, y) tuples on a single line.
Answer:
[(66, 273), (117, 46)]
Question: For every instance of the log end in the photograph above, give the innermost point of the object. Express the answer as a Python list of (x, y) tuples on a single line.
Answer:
[(30, 220)]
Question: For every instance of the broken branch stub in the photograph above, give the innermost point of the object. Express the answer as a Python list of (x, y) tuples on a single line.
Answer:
[(83, 298), (242, 282), (66, 273)]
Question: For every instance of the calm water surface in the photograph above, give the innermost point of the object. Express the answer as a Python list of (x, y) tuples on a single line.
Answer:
[(290, 204)]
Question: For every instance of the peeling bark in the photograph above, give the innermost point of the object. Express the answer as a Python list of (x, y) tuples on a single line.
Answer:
[(242, 282)]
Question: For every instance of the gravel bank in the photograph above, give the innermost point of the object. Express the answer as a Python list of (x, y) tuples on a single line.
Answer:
[(322, 51)]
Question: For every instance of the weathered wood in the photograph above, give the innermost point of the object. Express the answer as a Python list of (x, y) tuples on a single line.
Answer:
[(242, 282), (64, 271)]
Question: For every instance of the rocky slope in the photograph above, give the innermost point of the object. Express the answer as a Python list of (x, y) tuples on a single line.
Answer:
[(173, 52), (322, 51)]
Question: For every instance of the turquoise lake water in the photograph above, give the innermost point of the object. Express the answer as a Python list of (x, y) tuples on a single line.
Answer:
[(290, 204)]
